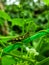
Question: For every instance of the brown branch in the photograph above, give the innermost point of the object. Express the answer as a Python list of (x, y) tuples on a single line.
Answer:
[(4, 28)]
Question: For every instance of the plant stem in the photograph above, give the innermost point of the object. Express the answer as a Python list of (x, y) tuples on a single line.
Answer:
[(2, 44), (7, 37), (21, 57), (44, 61), (0, 61)]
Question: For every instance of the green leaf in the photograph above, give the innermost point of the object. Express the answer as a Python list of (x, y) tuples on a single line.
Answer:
[(46, 1), (4, 15), (17, 21), (8, 60)]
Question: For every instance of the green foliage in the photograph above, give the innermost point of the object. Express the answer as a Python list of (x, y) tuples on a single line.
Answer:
[(24, 34), (4, 15), (46, 1)]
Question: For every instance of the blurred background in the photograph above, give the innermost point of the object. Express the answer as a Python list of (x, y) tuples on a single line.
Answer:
[(24, 18)]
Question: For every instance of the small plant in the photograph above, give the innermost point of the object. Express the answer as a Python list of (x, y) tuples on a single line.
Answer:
[(24, 33)]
